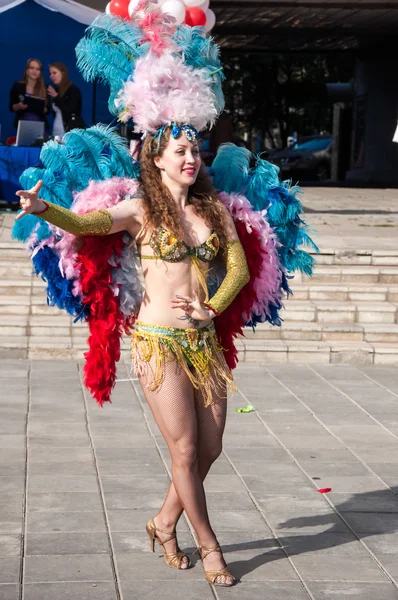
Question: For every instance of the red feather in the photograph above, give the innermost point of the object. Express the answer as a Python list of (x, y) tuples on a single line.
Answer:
[(105, 320)]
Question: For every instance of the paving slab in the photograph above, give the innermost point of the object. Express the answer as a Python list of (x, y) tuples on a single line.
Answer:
[(9, 592), (10, 567), (320, 567), (47, 521), (175, 590), (352, 590), (70, 591), (83, 567), (277, 590), (324, 543), (92, 478), (60, 542)]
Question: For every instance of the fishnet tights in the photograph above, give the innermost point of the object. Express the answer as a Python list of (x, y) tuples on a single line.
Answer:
[(193, 435)]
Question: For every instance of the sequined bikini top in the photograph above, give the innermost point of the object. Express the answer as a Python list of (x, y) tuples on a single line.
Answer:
[(166, 246)]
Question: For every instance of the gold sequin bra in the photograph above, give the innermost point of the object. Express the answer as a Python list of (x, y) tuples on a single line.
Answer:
[(167, 247)]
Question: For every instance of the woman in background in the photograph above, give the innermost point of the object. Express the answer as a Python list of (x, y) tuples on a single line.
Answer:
[(66, 101), (28, 97)]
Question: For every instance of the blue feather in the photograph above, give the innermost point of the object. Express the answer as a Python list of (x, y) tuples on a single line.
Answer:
[(261, 185), (59, 289), (230, 168), (108, 53), (292, 232), (99, 153), (273, 317), (95, 153), (262, 178), (23, 228), (200, 52), (53, 190)]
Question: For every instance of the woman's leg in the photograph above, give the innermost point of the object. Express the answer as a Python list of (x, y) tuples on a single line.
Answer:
[(173, 406), (211, 425)]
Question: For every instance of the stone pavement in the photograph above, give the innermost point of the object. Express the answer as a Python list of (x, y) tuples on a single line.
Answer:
[(352, 218), (78, 483)]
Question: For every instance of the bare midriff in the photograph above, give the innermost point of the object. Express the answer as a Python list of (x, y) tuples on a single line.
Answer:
[(163, 281)]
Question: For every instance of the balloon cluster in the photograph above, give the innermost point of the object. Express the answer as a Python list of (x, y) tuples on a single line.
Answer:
[(190, 12)]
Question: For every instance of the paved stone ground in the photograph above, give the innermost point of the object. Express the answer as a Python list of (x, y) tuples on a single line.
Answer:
[(78, 483), (350, 218)]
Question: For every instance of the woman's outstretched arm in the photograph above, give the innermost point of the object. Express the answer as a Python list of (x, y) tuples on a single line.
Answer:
[(99, 222)]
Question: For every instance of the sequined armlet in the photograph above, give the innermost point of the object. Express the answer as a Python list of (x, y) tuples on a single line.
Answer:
[(236, 278), (98, 222)]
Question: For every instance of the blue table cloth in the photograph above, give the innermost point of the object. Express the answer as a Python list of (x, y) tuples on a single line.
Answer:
[(13, 161)]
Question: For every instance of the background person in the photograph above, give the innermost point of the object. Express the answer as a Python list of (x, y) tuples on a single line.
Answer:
[(66, 101), (28, 97)]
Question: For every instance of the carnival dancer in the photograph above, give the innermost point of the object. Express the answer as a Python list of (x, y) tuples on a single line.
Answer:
[(184, 264), (176, 355)]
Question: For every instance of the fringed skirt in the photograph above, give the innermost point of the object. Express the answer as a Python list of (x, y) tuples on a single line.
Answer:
[(197, 351)]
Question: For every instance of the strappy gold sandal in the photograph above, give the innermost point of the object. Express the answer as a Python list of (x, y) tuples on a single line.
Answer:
[(173, 559), (211, 576)]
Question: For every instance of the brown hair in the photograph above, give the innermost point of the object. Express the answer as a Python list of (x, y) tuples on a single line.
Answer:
[(65, 81), (40, 88), (161, 210)]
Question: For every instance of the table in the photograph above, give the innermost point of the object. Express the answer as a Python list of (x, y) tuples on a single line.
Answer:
[(13, 161)]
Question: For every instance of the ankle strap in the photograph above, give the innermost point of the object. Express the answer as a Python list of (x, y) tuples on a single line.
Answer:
[(167, 532), (171, 534), (206, 551)]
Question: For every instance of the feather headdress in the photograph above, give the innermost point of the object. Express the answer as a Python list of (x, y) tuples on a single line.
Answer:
[(158, 72)]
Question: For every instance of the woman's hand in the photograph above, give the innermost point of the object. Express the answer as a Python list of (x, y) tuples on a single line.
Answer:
[(19, 106), (51, 91), (193, 309), (30, 202)]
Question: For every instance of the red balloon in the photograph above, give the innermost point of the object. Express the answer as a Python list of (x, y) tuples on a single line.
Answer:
[(119, 8), (195, 16)]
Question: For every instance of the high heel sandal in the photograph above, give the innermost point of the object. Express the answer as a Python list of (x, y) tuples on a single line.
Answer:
[(173, 559), (211, 576)]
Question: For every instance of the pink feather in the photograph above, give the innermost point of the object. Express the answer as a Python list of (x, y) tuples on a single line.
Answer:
[(165, 89), (267, 286), (158, 27), (98, 195)]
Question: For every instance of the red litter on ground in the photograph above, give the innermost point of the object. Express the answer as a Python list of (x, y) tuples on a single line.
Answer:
[(324, 490)]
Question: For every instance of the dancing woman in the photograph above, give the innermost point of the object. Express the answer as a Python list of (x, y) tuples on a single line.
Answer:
[(180, 225), (210, 262)]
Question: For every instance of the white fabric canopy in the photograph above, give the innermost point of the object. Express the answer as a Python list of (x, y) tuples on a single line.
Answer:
[(69, 8)]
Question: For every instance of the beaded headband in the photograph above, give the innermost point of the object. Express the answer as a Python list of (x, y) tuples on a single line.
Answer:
[(176, 130)]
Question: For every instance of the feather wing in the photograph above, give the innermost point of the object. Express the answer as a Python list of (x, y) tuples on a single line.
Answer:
[(237, 170)]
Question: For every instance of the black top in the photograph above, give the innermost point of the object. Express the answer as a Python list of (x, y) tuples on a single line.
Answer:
[(17, 94), (71, 108)]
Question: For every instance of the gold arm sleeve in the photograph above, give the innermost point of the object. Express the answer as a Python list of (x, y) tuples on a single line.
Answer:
[(98, 222), (236, 278)]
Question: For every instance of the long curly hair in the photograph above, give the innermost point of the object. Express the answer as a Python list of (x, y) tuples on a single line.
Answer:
[(160, 207)]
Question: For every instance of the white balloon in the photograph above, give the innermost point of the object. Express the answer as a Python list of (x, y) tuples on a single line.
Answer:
[(210, 19), (175, 8), (132, 6), (108, 9), (190, 3)]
